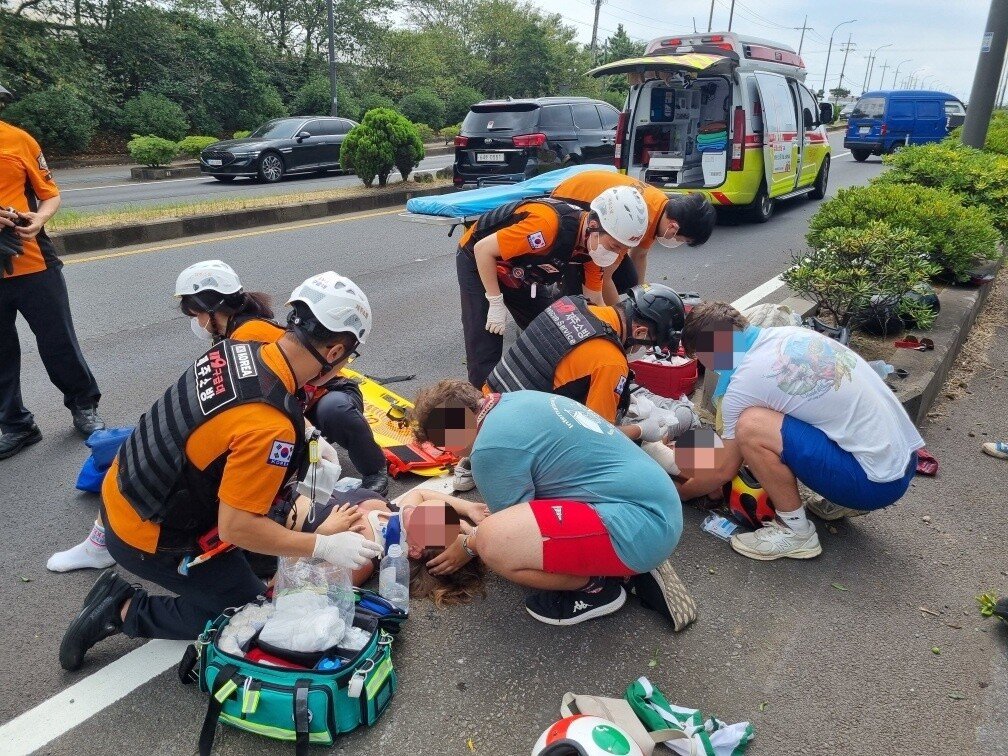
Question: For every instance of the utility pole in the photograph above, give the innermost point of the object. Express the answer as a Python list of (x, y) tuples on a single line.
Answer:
[(731, 14), (992, 55), (1004, 84), (332, 59), (884, 67), (843, 66), (864, 84), (804, 28), (710, 18), (829, 50), (598, 6)]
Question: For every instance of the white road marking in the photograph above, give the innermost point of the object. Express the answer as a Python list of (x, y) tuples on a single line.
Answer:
[(82, 700), (761, 291), (133, 183), (842, 154)]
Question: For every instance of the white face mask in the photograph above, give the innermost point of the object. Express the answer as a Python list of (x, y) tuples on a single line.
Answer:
[(201, 333), (602, 256)]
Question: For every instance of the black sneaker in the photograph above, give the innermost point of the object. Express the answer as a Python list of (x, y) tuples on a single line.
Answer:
[(600, 597), (14, 441), (377, 482), (99, 619), (662, 591), (87, 420)]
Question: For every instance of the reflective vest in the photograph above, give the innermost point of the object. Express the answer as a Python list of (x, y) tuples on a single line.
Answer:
[(542, 269), (531, 363), (155, 475)]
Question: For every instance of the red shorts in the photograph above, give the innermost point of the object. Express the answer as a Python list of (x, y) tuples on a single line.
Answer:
[(575, 540)]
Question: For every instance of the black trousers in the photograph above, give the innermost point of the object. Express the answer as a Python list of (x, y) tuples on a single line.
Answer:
[(625, 276), (340, 416), (42, 299), (484, 349), (208, 589)]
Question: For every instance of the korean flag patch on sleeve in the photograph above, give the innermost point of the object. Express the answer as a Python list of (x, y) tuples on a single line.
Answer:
[(280, 454), (537, 240)]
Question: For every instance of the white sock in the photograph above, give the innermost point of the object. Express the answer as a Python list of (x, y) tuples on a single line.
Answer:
[(90, 553), (796, 520)]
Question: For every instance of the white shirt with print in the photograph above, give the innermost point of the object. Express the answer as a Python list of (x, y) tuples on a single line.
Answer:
[(813, 378)]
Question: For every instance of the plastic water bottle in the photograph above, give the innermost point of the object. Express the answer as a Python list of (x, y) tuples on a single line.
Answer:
[(393, 577), (881, 367)]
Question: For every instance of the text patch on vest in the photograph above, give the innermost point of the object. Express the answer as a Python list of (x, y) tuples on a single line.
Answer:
[(569, 320), (243, 361), (215, 381)]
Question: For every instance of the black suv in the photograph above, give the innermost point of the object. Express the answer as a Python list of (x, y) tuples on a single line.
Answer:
[(279, 147), (504, 141)]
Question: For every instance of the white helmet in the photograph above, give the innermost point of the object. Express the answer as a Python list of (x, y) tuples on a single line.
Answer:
[(337, 303), (208, 275), (585, 735), (622, 214)]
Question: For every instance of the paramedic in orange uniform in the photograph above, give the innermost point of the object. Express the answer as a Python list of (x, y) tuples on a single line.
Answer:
[(215, 455), (31, 283), (673, 220), (523, 255), (579, 350)]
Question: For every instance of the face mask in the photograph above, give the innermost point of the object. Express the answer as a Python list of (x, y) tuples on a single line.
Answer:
[(201, 333), (602, 256), (670, 243)]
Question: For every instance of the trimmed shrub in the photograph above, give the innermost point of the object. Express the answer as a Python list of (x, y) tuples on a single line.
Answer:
[(980, 178), (427, 134), (374, 101), (192, 146), (457, 103), (152, 151), (240, 134), (423, 106), (448, 133), (870, 268), (383, 140), (60, 121), (953, 236), (313, 99), (156, 115)]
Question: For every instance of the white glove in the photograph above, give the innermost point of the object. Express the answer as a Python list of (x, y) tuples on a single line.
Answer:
[(652, 428), (350, 550), (496, 315)]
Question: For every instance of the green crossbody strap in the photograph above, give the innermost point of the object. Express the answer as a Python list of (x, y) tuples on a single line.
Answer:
[(302, 721), (224, 685)]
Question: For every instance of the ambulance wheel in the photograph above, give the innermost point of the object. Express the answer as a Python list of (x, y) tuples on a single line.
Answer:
[(762, 207), (860, 155), (187, 667), (819, 188)]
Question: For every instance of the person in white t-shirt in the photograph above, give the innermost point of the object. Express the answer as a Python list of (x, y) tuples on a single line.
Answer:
[(793, 404)]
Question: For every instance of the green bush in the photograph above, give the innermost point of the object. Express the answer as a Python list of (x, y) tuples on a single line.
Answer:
[(980, 178), (156, 115), (448, 133), (192, 146), (953, 236), (240, 134), (854, 268), (423, 106), (427, 134), (60, 121), (374, 101), (152, 151), (313, 98), (457, 103), (384, 139)]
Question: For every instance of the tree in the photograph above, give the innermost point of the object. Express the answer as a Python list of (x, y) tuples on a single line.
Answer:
[(58, 119), (458, 102), (839, 92), (382, 140), (153, 114), (620, 46), (424, 106), (314, 99)]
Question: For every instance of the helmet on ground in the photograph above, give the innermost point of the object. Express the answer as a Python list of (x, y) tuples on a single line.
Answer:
[(661, 308), (5, 95), (622, 214), (585, 735), (334, 302), (208, 275), (747, 501), (922, 295)]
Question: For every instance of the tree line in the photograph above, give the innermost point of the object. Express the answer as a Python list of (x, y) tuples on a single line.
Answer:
[(89, 73)]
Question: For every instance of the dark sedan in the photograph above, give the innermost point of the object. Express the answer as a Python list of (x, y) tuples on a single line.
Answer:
[(285, 146)]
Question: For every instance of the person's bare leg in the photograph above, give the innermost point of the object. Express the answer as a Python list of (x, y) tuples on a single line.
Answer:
[(758, 433), (509, 543)]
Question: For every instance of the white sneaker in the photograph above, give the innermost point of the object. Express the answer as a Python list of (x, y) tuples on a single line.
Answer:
[(463, 480), (774, 541), (827, 510)]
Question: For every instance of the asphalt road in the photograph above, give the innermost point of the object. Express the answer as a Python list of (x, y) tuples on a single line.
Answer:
[(819, 669), (104, 188)]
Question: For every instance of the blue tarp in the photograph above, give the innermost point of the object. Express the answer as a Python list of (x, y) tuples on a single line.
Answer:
[(477, 201)]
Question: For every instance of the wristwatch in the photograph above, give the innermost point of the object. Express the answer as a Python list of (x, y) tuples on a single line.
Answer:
[(465, 543)]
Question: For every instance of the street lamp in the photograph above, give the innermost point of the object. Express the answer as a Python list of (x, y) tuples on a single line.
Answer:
[(895, 75), (924, 80), (910, 78), (871, 63), (830, 50)]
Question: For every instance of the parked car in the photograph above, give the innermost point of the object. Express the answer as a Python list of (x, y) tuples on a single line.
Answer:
[(725, 115), (884, 121), (504, 141), (281, 147)]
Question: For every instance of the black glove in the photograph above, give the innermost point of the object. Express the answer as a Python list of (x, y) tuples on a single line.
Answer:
[(10, 247)]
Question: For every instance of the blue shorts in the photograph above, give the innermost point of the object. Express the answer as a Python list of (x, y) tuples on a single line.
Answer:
[(819, 462)]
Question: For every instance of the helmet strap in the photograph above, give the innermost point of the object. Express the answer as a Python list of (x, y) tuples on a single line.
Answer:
[(302, 336)]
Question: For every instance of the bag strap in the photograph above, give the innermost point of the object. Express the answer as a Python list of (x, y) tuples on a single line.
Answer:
[(224, 685), (302, 721)]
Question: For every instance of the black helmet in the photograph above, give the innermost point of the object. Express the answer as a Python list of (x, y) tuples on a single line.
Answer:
[(661, 309), (5, 95)]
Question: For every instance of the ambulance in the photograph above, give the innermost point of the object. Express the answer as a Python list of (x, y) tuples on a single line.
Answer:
[(726, 115)]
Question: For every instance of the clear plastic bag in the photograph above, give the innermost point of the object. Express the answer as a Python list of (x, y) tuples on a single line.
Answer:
[(320, 577)]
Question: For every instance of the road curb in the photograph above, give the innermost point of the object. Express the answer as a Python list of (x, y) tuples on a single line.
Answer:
[(100, 239), (146, 173)]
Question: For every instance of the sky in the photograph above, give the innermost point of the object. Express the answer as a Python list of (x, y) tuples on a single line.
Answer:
[(937, 39)]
